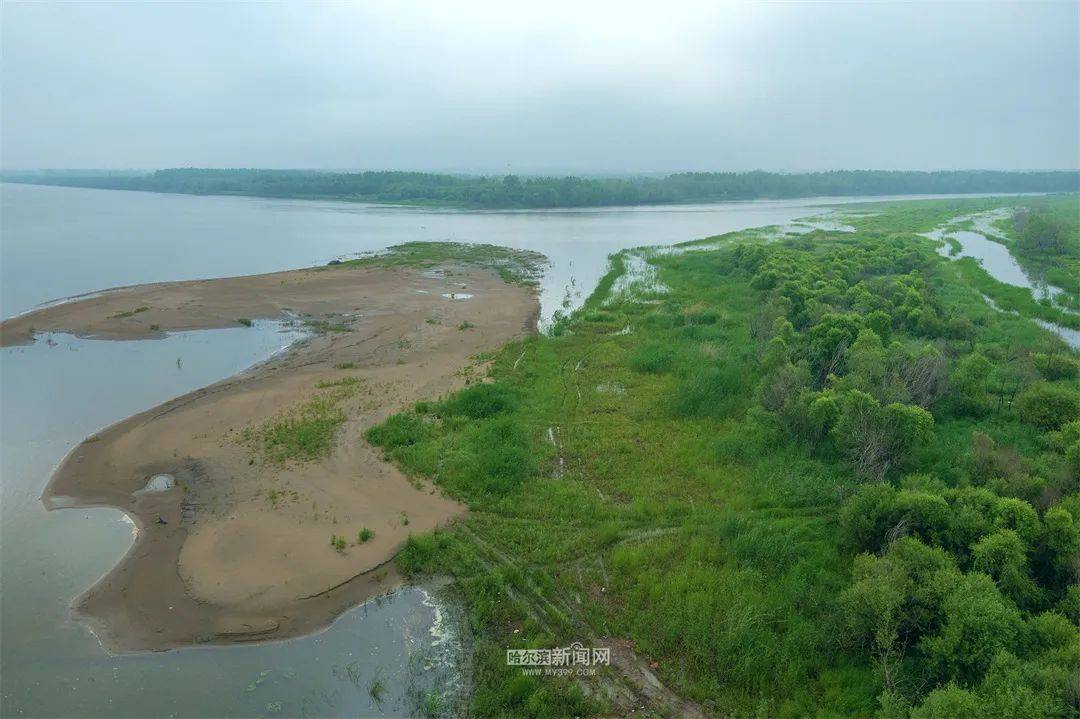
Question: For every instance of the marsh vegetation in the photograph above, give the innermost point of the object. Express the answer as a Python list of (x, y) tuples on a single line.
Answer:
[(816, 476)]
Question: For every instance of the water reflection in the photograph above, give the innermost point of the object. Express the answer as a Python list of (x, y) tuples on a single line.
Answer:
[(404, 645)]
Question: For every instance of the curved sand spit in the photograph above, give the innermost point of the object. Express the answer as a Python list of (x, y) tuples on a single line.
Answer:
[(239, 549)]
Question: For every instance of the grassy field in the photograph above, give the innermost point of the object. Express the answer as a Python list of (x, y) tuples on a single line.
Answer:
[(814, 477)]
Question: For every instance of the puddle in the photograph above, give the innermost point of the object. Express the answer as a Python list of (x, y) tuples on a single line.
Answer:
[(158, 483)]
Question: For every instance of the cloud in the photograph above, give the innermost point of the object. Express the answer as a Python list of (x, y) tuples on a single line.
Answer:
[(554, 86)]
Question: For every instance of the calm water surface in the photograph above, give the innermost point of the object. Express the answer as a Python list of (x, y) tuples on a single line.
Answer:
[(58, 242)]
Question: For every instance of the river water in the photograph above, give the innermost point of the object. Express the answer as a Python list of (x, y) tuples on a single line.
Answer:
[(999, 263), (57, 242)]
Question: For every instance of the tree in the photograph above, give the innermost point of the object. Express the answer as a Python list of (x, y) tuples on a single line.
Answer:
[(949, 702), (1003, 556), (978, 623), (877, 437), (968, 380)]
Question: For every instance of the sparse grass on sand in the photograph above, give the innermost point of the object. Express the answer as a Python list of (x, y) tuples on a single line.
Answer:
[(306, 433)]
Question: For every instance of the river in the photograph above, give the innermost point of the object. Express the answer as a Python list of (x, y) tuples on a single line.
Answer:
[(58, 242)]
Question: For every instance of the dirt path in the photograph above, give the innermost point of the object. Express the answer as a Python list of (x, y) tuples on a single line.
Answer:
[(239, 549)]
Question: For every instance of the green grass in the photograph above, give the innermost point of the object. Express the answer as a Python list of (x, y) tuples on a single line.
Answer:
[(631, 484), (246, 322)]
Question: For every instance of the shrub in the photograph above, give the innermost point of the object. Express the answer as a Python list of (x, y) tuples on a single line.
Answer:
[(1003, 556), (364, 535), (480, 401), (1056, 366), (978, 623), (949, 702), (876, 438), (1048, 406)]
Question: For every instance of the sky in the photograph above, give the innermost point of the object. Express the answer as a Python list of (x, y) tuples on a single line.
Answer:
[(553, 86)]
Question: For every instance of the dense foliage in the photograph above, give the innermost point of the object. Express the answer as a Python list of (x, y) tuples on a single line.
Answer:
[(817, 476), (512, 191)]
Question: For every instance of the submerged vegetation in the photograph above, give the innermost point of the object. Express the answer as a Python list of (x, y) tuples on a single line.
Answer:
[(816, 476), (512, 191)]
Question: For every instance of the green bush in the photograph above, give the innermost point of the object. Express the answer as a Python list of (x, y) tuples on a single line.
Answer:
[(1048, 406), (1056, 366)]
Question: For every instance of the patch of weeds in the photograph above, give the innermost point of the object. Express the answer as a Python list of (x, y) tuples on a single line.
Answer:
[(364, 535), (377, 690), (303, 435), (343, 382), (466, 325), (400, 430), (324, 326), (481, 400), (246, 322), (431, 704), (337, 542), (129, 313), (345, 365), (433, 321)]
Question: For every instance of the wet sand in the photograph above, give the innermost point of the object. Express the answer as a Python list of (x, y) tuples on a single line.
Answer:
[(239, 549)]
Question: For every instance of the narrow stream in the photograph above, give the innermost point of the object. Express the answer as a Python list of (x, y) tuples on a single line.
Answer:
[(999, 263)]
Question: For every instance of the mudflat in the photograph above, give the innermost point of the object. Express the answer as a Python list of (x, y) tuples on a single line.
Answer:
[(235, 542)]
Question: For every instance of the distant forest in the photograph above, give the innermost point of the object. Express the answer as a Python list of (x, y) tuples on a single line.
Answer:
[(513, 191)]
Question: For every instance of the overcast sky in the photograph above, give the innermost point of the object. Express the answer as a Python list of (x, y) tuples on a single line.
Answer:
[(541, 86)]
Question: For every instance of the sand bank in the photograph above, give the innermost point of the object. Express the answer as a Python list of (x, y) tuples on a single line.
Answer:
[(234, 545)]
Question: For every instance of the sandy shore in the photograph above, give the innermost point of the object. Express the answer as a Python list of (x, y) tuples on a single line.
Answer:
[(239, 550)]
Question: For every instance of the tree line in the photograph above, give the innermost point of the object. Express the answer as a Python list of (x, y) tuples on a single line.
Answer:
[(512, 191)]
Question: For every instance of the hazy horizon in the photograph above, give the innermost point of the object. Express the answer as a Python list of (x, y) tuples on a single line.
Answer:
[(597, 89)]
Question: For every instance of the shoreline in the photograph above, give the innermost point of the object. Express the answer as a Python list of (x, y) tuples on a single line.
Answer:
[(238, 548)]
